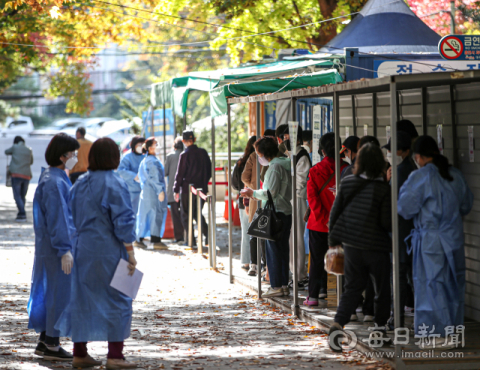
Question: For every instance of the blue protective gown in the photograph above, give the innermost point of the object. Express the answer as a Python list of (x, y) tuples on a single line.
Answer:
[(152, 214), (437, 243), (103, 215), (54, 236), (128, 170)]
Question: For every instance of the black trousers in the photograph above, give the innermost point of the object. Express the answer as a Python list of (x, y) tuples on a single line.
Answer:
[(184, 208), (177, 220), (317, 277), (406, 286), (360, 266), (50, 341)]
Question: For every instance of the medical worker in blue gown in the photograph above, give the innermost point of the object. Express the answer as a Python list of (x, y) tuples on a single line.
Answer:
[(104, 219), (436, 196), (54, 234), (128, 170), (152, 210)]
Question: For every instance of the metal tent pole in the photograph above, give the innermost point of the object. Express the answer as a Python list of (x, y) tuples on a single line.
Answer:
[(295, 306), (214, 200), (199, 223), (184, 121), (259, 204), (152, 122), (336, 119), (190, 216), (164, 133), (230, 215), (394, 188), (174, 125)]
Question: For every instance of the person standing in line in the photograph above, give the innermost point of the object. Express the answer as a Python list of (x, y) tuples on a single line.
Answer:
[(82, 164), (194, 167), (436, 196), (303, 165), (307, 138), (20, 169), (105, 223), (278, 181), (128, 170), (152, 209), (238, 185), (360, 221), (54, 236), (321, 179), (171, 165), (405, 167), (349, 148)]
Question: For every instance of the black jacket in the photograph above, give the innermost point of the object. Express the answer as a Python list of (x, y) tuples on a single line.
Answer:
[(366, 220), (194, 167)]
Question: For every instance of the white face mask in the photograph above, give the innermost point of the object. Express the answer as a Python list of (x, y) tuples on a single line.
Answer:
[(263, 161), (389, 159), (138, 149), (348, 160), (71, 162), (157, 150), (416, 163)]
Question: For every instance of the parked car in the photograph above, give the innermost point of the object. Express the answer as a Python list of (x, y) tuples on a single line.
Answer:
[(92, 125), (21, 125)]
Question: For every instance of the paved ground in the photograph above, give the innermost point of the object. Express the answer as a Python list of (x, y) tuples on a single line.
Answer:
[(186, 315)]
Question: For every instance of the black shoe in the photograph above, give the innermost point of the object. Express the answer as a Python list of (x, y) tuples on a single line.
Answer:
[(60, 355), (155, 239), (41, 348), (323, 293), (391, 324), (335, 337)]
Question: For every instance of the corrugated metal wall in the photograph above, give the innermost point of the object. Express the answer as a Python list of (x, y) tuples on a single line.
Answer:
[(357, 116)]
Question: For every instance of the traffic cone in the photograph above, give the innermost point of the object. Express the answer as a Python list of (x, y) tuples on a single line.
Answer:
[(169, 234), (236, 215), (225, 214)]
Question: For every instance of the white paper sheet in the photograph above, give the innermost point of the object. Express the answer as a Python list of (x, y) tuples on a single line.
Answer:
[(124, 283)]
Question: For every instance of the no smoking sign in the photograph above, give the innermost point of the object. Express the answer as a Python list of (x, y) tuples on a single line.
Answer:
[(451, 47)]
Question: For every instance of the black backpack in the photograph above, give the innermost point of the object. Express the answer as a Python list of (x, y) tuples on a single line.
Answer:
[(237, 183)]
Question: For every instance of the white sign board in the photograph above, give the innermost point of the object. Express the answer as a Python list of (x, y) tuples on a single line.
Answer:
[(391, 68), (440, 138), (316, 134)]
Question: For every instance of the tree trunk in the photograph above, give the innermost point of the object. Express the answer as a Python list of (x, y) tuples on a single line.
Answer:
[(327, 30)]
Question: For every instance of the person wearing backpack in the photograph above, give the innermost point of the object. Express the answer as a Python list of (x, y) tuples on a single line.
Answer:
[(238, 185), (360, 221)]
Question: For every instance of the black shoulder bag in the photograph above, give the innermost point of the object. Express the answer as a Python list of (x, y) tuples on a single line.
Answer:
[(266, 224)]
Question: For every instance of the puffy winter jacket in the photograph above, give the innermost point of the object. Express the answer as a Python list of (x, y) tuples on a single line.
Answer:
[(320, 204), (367, 219)]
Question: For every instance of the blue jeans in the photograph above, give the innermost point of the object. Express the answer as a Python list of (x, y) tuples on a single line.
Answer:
[(245, 246), (20, 188), (278, 255)]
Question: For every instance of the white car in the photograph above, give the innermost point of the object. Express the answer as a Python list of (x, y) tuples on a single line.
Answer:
[(18, 126), (92, 125)]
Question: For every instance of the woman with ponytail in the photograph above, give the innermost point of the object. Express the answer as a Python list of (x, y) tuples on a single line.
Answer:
[(436, 196)]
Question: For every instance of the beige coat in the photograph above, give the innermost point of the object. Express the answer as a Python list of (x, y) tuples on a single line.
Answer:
[(249, 178)]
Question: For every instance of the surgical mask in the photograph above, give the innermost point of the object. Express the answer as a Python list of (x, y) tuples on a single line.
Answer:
[(416, 163), (390, 160), (263, 161), (157, 150), (71, 162), (138, 149), (348, 160)]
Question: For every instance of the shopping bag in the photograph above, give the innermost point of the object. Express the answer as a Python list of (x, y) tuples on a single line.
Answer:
[(8, 181), (334, 260), (266, 224)]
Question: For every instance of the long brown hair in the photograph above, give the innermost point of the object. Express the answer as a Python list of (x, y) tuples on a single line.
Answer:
[(249, 149)]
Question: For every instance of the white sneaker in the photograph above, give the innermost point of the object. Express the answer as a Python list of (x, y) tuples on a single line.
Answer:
[(368, 318), (354, 317), (273, 292), (253, 270)]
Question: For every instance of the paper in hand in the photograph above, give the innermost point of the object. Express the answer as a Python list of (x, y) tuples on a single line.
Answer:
[(124, 283)]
